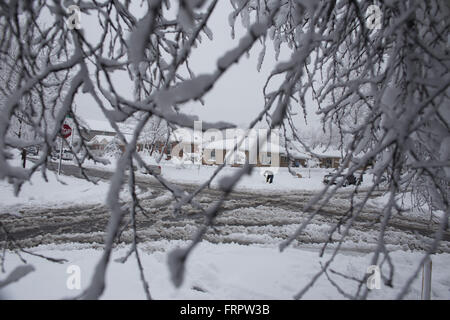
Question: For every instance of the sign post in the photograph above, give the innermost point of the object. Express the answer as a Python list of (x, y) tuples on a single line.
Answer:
[(66, 131), (426, 280)]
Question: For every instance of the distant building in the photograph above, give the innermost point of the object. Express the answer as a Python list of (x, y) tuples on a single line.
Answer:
[(100, 133), (328, 157), (269, 154), (295, 155), (216, 152), (99, 142), (189, 145), (92, 128)]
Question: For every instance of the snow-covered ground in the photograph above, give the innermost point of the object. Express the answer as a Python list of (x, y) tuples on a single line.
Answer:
[(60, 191), (283, 180), (56, 192), (225, 271), (223, 268), (311, 178)]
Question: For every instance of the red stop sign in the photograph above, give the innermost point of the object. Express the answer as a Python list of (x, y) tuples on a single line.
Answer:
[(66, 131)]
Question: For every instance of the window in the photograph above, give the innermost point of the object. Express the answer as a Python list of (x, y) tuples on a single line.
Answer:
[(266, 159)]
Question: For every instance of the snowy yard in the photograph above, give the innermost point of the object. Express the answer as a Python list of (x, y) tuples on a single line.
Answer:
[(225, 271), (283, 180), (311, 178), (65, 190), (58, 191)]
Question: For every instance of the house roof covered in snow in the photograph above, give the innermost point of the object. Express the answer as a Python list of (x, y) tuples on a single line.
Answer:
[(227, 144), (100, 139), (104, 139), (104, 126), (186, 135), (297, 151), (323, 152), (98, 125), (296, 154), (233, 136)]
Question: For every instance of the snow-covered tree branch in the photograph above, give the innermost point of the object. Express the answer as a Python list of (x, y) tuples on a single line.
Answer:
[(382, 94)]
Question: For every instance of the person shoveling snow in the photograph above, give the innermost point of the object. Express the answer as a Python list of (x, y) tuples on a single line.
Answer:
[(269, 176)]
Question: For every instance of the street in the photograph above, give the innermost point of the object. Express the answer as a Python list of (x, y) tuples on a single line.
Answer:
[(246, 218)]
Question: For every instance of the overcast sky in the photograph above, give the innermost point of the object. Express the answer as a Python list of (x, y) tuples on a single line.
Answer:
[(236, 98)]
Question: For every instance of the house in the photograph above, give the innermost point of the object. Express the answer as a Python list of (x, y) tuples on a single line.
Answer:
[(99, 143), (295, 155), (328, 157), (188, 140), (210, 150), (216, 152), (181, 142), (92, 128), (100, 133), (269, 154)]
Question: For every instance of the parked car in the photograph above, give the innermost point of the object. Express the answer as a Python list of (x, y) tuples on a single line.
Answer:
[(54, 155), (155, 168), (66, 155), (348, 180), (32, 151)]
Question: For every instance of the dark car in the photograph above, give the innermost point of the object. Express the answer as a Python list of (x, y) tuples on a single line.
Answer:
[(156, 169), (348, 180), (67, 155), (32, 151)]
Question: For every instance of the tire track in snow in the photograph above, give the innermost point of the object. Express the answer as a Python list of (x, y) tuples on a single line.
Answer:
[(246, 218)]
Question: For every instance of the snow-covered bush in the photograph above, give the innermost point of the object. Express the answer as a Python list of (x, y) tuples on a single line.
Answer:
[(113, 149), (312, 163)]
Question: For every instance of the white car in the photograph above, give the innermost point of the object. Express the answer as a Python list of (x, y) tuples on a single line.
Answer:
[(66, 155)]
